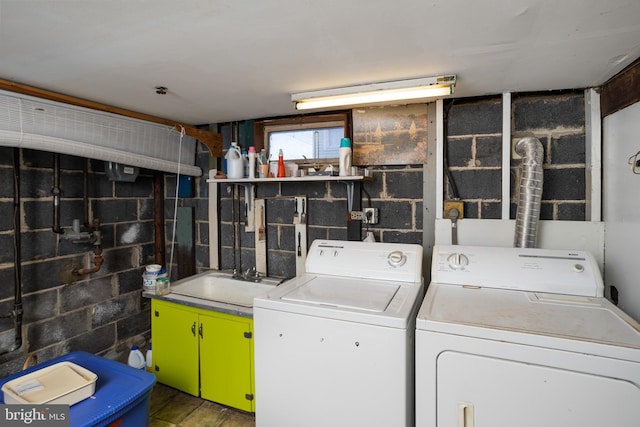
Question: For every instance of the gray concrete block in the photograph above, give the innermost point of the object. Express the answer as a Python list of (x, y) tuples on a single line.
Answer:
[(128, 281), (564, 184), (57, 330), (405, 184), (85, 293), (135, 232), (475, 117), (478, 183), (395, 215), (488, 151), (571, 211), (459, 152), (39, 306), (113, 309), (115, 210), (134, 325), (6, 183), (548, 111), (568, 149), (94, 341), (37, 245)]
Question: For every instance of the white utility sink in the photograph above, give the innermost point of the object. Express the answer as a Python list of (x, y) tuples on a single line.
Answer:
[(221, 287)]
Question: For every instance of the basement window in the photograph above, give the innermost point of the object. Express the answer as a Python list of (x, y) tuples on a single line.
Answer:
[(304, 139)]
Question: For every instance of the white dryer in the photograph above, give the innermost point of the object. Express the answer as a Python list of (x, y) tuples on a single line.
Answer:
[(335, 346), (523, 337)]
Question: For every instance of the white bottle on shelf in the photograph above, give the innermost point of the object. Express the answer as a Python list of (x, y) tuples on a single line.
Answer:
[(235, 163), (345, 157), (252, 162)]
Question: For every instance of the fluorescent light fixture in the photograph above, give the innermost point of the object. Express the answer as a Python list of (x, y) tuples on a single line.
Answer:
[(427, 87)]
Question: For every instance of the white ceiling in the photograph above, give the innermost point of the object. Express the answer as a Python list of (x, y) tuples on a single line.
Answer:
[(225, 60)]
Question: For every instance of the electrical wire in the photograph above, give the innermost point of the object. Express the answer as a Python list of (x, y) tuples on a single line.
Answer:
[(445, 161), (175, 206)]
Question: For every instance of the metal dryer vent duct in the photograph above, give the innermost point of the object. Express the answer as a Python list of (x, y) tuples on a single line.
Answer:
[(530, 192)]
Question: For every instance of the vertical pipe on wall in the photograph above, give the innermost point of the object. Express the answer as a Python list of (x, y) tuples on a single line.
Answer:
[(17, 305), (56, 192), (17, 311)]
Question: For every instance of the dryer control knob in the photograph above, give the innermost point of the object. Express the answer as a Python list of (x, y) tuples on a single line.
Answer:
[(396, 259), (457, 261)]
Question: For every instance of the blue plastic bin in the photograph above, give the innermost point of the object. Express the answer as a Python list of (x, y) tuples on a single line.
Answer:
[(122, 395)]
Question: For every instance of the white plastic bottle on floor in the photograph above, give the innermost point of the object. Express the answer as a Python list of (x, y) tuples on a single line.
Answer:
[(149, 360), (136, 358)]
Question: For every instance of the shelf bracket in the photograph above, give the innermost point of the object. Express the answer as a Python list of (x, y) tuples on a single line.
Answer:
[(350, 186)]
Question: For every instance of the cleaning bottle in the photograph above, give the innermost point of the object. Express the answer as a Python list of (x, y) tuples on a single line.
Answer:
[(136, 358), (345, 157), (281, 170), (235, 164), (252, 162), (149, 359)]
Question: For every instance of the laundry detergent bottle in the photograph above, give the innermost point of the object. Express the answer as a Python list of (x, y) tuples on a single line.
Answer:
[(235, 162), (136, 358)]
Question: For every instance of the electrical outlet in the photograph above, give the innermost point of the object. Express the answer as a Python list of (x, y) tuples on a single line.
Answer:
[(356, 216), (453, 204), (370, 216)]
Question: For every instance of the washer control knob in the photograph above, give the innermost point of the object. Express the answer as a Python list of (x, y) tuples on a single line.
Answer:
[(396, 259), (578, 268), (457, 261)]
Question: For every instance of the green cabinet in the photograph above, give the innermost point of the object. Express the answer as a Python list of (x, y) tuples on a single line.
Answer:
[(204, 353)]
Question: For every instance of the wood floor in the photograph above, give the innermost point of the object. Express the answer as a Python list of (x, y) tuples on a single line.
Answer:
[(173, 408)]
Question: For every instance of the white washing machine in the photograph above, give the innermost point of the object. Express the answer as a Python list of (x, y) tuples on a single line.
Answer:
[(335, 346), (523, 337)]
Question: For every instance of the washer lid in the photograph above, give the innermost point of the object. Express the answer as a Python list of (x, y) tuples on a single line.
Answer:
[(344, 293)]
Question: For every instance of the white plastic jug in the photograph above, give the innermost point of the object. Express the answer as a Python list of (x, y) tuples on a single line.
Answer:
[(149, 359), (235, 163), (136, 358)]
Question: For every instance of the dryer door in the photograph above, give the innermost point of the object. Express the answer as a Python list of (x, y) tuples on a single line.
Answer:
[(484, 391)]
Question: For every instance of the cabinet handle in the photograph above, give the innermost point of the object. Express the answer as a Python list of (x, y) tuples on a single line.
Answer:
[(193, 329), (200, 331)]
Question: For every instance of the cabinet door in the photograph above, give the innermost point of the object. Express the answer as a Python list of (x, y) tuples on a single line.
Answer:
[(175, 346), (226, 361)]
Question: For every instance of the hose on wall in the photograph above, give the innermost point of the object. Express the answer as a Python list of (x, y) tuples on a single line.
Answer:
[(530, 192)]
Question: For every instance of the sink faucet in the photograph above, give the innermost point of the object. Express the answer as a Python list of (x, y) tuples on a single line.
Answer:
[(251, 275)]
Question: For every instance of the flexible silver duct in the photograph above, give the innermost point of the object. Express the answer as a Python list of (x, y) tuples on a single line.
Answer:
[(530, 192)]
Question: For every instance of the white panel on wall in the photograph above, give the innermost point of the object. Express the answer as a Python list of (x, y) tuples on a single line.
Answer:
[(621, 207)]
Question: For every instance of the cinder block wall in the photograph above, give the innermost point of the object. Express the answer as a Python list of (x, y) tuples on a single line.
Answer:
[(474, 150), (102, 313)]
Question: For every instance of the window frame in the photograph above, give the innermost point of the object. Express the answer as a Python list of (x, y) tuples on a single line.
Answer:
[(322, 120)]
